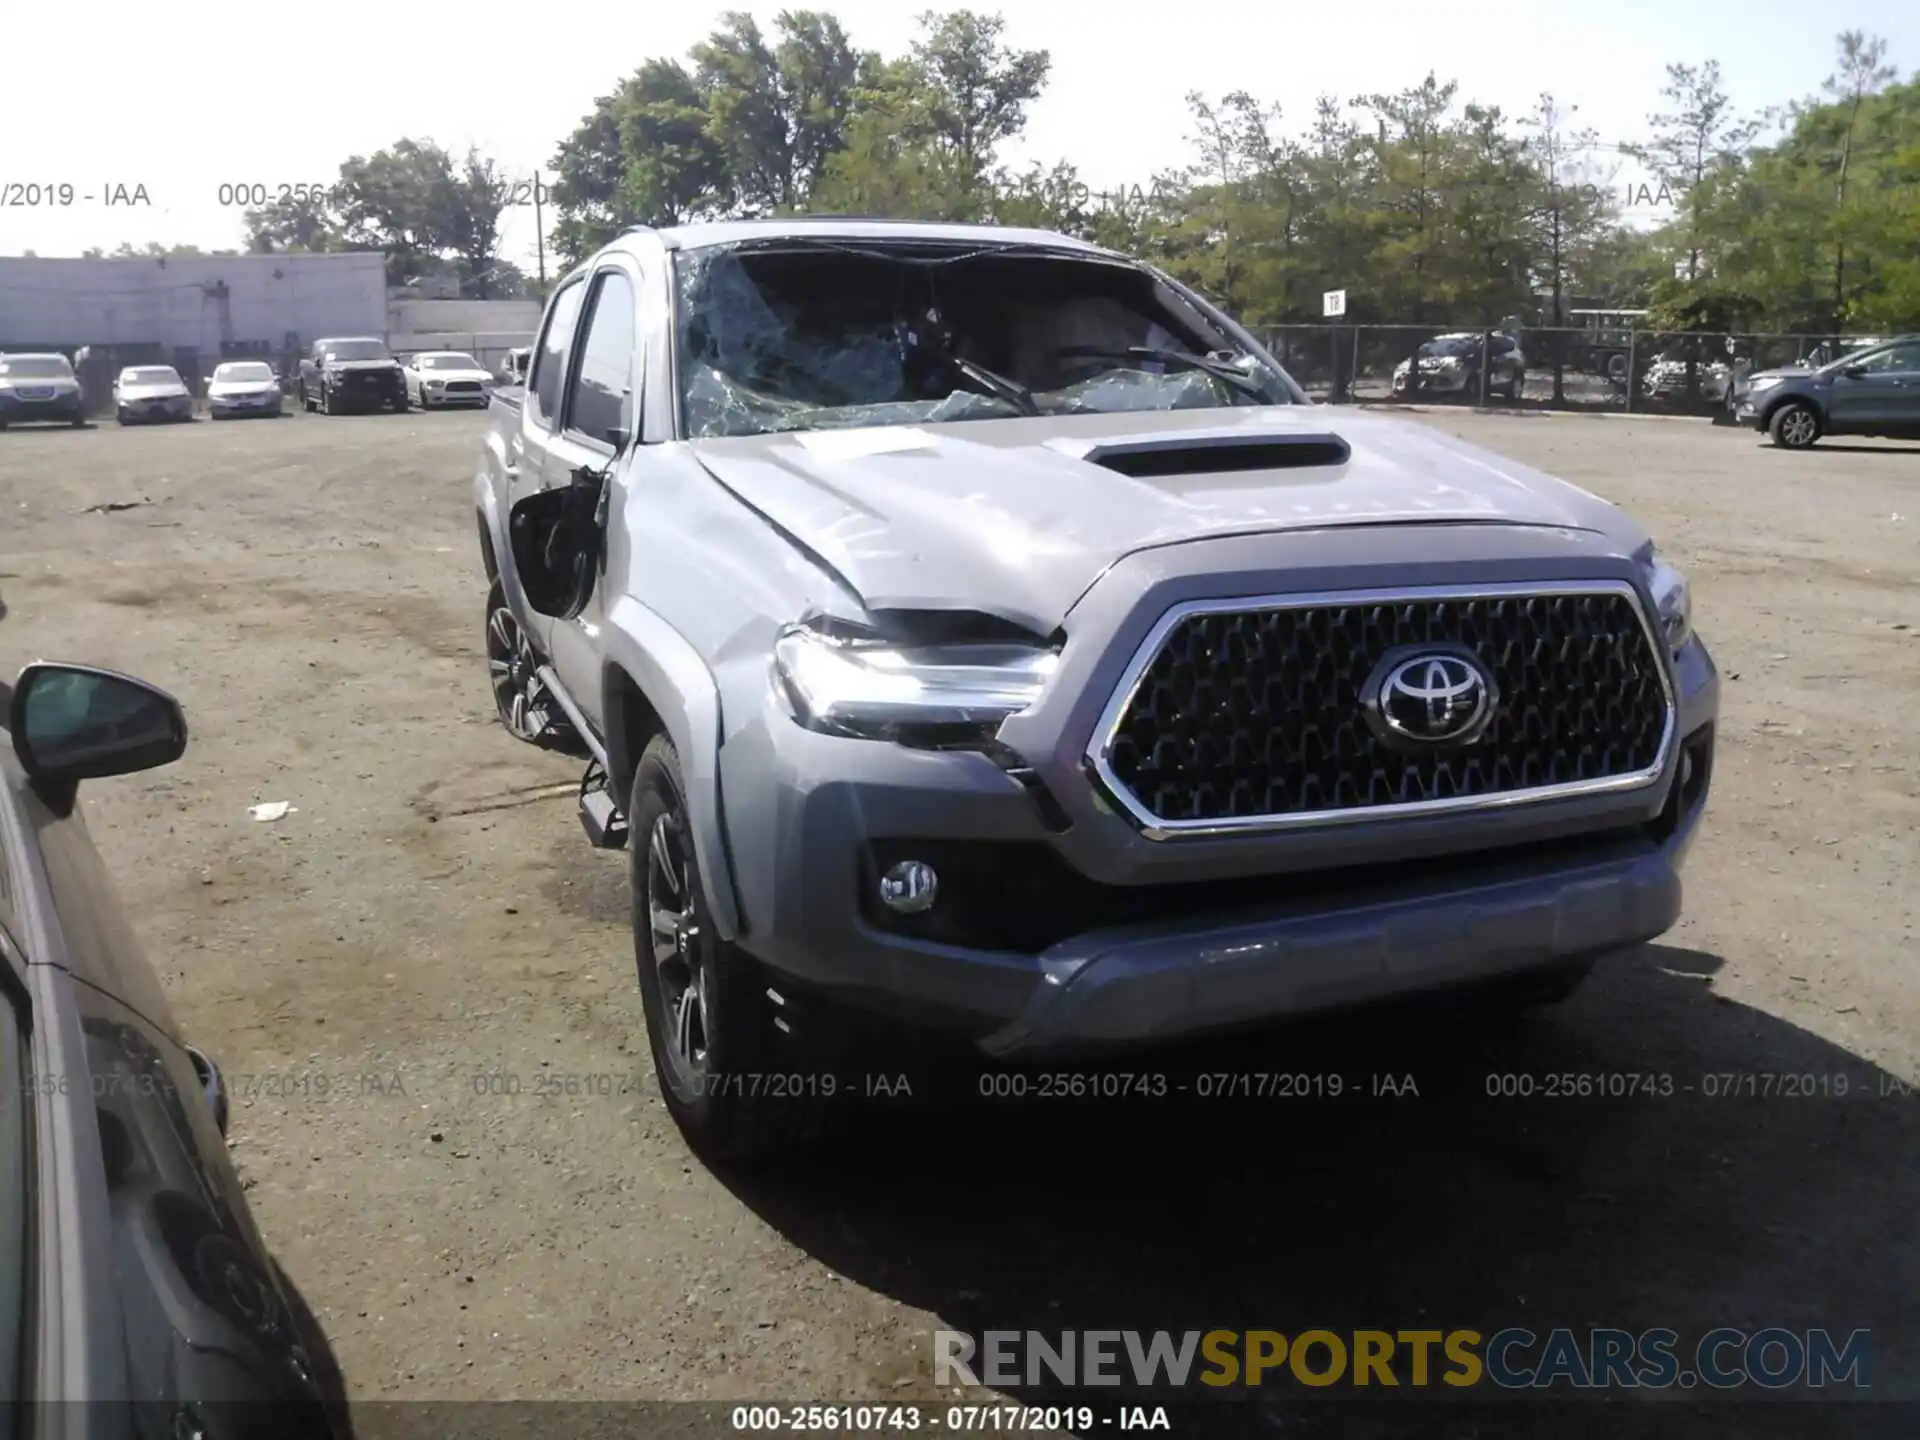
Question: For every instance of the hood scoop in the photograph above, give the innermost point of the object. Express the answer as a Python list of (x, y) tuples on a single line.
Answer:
[(1158, 457)]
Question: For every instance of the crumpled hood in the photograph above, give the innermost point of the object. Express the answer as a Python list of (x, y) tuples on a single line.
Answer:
[(1004, 516), (155, 390)]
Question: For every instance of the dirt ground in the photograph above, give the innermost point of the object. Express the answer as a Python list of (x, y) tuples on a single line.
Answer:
[(421, 985)]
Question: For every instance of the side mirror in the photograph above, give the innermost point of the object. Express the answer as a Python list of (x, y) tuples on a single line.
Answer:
[(556, 537), (1855, 372), (76, 722)]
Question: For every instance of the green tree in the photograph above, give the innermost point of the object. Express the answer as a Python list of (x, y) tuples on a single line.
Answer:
[(776, 110), (644, 156), (1699, 139), (976, 91)]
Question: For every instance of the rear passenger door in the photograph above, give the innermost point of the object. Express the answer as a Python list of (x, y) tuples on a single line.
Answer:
[(598, 424)]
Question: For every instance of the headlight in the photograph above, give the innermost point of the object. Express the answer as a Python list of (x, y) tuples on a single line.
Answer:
[(881, 691), (1672, 601), (1763, 382)]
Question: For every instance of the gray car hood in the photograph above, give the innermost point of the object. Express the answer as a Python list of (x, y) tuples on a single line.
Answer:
[(1004, 516)]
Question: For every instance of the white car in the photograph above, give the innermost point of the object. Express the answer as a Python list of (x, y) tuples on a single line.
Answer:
[(151, 392), (243, 387), (447, 377), (1666, 378)]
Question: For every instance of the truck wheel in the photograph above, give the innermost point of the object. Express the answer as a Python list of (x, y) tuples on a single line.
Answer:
[(522, 701), (1794, 426), (709, 1023)]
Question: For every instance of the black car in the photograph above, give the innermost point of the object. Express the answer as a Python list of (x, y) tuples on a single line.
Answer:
[(355, 372), (131, 1272), (1874, 391), (40, 387)]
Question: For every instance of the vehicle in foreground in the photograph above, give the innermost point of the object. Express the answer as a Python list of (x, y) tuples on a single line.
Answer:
[(243, 387), (442, 378), (1451, 365), (1875, 391), (149, 393), (132, 1271), (351, 373), (976, 629), (39, 387), (513, 366)]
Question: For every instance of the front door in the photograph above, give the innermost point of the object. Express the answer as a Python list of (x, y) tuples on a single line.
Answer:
[(597, 426), (1886, 392)]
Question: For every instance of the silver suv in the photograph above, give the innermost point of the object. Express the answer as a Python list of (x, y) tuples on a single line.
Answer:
[(976, 629)]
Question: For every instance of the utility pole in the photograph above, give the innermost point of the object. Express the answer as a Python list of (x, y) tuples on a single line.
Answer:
[(539, 234)]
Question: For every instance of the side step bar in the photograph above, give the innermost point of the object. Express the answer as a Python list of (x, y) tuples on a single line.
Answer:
[(600, 817), (606, 827)]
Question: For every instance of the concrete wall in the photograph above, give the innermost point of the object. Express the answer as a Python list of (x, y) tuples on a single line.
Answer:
[(463, 317), (177, 302)]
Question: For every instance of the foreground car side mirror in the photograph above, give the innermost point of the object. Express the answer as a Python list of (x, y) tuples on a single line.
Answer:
[(77, 722), (1855, 372)]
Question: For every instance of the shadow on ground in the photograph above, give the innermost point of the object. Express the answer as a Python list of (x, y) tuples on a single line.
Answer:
[(1714, 1196)]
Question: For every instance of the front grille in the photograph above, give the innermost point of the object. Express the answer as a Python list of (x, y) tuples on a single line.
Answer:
[(1252, 714), (463, 387)]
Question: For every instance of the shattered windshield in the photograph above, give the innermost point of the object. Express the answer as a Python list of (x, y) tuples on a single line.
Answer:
[(832, 335)]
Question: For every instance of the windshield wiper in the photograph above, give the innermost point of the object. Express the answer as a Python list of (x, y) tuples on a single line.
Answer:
[(1226, 370), (995, 384)]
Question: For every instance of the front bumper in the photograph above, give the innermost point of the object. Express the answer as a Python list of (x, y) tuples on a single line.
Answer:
[(226, 405), (172, 408), (1180, 938), (15, 410), (439, 399)]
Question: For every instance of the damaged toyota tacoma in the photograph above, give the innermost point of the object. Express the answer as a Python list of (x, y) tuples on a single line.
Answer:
[(975, 631)]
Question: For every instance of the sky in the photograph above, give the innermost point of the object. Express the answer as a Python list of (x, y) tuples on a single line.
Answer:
[(178, 115)]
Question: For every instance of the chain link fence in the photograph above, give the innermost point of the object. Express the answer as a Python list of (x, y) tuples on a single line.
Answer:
[(1538, 368)]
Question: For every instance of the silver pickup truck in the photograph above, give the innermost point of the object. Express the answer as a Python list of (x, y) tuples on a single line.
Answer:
[(977, 630)]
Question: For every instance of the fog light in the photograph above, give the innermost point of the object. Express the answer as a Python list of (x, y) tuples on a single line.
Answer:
[(1686, 767), (909, 887)]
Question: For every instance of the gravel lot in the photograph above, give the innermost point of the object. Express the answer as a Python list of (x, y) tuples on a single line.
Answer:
[(428, 931)]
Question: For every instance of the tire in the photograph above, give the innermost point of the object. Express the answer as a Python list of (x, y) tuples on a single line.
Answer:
[(709, 1024), (326, 399), (306, 400), (77, 420), (120, 418), (521, 701), (1515, 386), (1794, 426)]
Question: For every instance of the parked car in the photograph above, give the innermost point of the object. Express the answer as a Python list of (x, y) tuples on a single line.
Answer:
[(39, 387), (440, 378), (1666, 378), (1828, 351), (513, 369), (944, 649), (132, 1275), (243, 387), (145, 393), (1450, 365), (1867, 392), (351, 373)]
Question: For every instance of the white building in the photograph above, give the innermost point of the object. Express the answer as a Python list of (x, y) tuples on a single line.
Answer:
[(202, 304)]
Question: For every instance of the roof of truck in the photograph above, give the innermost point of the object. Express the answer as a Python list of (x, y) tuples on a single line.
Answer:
[(862, 227)]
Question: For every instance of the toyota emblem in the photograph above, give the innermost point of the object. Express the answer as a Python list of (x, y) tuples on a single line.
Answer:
[(1430, 697)]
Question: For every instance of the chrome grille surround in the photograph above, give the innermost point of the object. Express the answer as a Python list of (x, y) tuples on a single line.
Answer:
[(1109, 733)]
